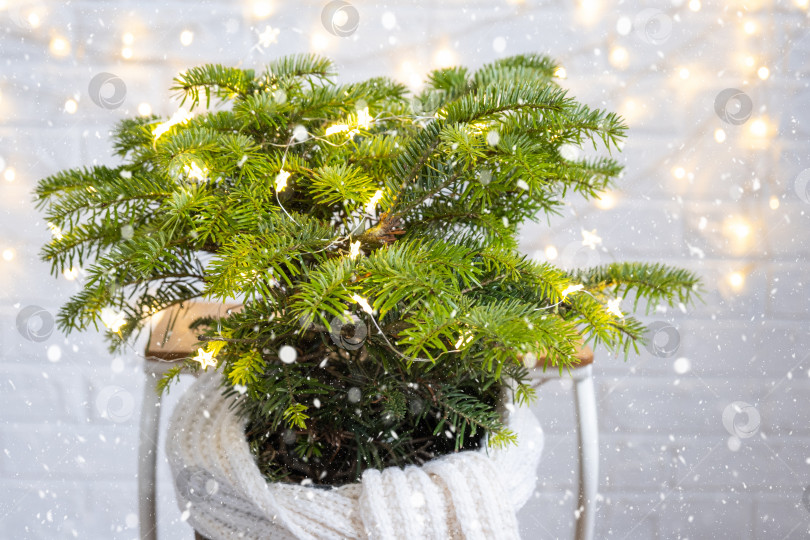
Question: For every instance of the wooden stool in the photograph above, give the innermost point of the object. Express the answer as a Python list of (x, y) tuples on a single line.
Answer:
[(165, 348), (587, 437)]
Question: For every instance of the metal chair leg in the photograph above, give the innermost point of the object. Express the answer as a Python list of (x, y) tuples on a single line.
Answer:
[(147, 455), (588, 440)]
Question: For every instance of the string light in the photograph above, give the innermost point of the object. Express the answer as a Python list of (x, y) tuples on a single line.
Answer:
[(281, 180), (354, 249), (551, 253), (71, 273), (10, 174), (180, 117), (750, 27), (719, 135), (619, 58), (763, 72), (613, 307), (144, 109), (59, 46), (33, 20), (363, 303), (262, 9), (736, 280), (606, 201), (679, 172), (750, 61), (71, 106), (364, 119), (694, 5), (444, 58), (186, 37), (336, 128), (372, 203), (759, 128), (773, 202), (560, 72), (572, 289), (128, 38), (112, 319), (802, 3), (205, 358), (8, 254), (318, 41), (737, 227), (126, 53), (683, 73)]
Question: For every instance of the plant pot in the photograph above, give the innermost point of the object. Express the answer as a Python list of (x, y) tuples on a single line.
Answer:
[(222, 494)]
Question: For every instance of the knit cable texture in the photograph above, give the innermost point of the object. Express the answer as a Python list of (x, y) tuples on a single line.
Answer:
[(222, 494)]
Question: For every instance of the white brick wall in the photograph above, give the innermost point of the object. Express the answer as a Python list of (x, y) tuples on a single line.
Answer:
[(669, 469)]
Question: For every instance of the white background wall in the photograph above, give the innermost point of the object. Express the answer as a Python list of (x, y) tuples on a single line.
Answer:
[(738, 210)]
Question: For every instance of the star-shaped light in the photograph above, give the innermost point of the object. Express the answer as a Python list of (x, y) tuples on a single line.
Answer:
[(205, 358), (613, 307), (268, 37), (364, 119), (281, 180), (590, 238)]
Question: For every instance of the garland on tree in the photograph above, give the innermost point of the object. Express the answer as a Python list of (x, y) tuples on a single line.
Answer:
[(372, 240)]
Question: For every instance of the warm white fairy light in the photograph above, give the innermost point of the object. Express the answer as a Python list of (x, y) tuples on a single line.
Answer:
[(763, 73), (10, 174), (560, 72), (624, 26), (56, 232), (336, 128), (194, 172), (802, 3), (590, 238), (281, 180), (613, 307), (364, 119), (71, 106), (318, 41), (372, 203), (71, 273), (737, 227), (773, 202), (572, 289), (186, 37), (679, 172), (128, 38), (759, 127), (262, 9), (606, 201), (8, 254), (619, 57), (719, 135), (736, 280), (551, 253), (59, 46), (126, 53), (112, 319), (363, 303), (683, 73), (750, 61), (354, 249), (205, 358), (444, 57), (144, 109), (750, 27), (180, 117), (694, 5), (34, 20)]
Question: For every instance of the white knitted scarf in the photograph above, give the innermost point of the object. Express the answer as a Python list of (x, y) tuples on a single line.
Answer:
[(222, 494)]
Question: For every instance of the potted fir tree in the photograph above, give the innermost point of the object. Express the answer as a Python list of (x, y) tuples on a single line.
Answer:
[(386, 318)]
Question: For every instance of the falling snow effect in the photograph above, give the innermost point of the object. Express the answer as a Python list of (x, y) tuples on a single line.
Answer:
[(728, 195)]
